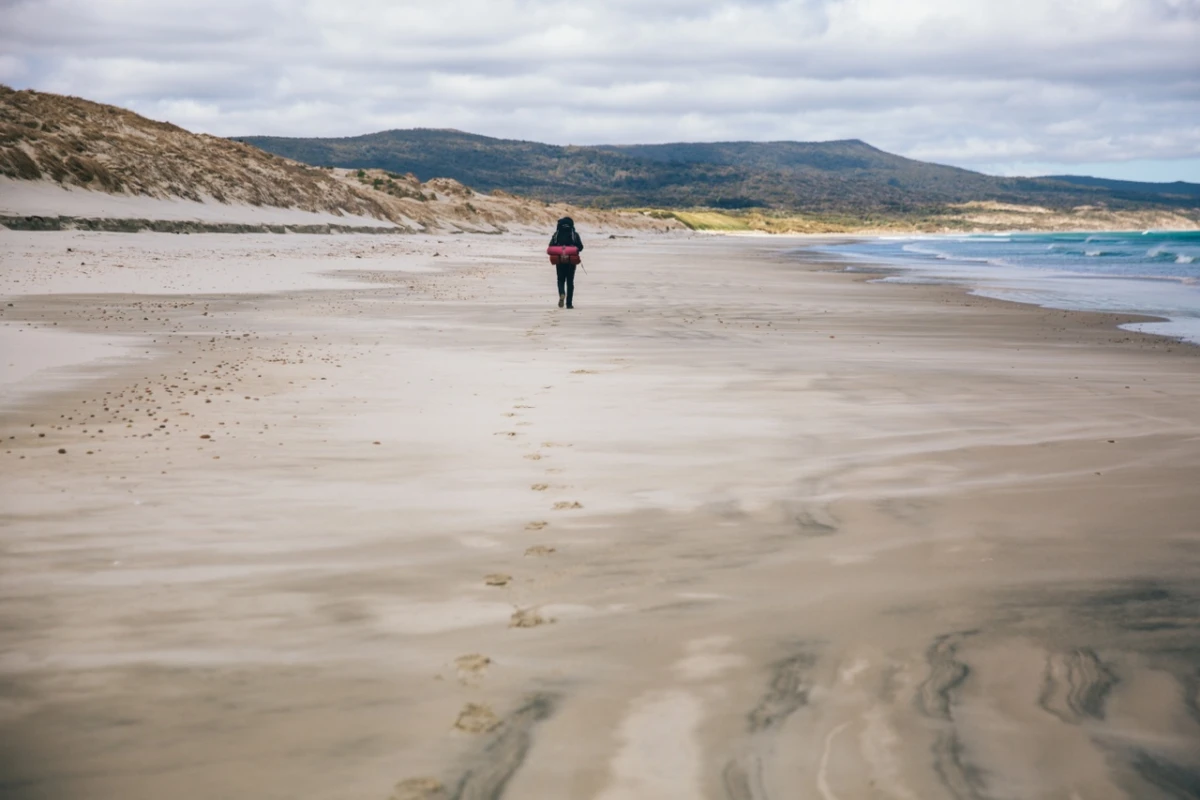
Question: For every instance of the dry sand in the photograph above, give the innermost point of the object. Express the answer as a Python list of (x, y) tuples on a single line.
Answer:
[(49, 199), (348, 518)]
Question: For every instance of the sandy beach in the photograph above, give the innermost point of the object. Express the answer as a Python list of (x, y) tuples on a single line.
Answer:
[(369, 517)]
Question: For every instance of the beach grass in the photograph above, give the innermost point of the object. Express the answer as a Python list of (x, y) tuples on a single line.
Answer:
[(961, 218)]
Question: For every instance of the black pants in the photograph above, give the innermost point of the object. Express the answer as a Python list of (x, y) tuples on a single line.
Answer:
[(566, 278)]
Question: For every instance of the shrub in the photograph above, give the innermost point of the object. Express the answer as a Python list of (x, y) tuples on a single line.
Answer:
[(16, 163)]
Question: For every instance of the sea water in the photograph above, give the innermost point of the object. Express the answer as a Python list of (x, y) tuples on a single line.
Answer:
[(1156, 273)]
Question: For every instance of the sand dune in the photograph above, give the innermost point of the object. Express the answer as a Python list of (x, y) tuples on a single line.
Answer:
[(78, 164), (443, 206), (371, 517), (46, 198)]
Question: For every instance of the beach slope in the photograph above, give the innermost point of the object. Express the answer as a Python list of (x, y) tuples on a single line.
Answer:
[(362, 516)]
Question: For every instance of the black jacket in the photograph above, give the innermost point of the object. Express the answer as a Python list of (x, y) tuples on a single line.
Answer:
[(576, 241)]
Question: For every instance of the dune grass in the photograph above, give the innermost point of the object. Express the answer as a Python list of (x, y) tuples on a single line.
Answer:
[(712, 221), (960, 218), (766, 222)]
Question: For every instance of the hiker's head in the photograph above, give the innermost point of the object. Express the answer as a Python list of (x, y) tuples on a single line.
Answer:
[(566, 222)]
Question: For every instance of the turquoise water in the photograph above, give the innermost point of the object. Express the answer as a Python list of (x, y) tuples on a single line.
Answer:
[(1154, 273)]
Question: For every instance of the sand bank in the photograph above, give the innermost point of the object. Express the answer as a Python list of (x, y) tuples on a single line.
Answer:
[(737, 527), (49, 199)]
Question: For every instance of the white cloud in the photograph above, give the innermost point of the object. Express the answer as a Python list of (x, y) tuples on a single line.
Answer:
[(972, 82)]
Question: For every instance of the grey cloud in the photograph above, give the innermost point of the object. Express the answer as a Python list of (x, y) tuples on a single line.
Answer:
[(956, 81)]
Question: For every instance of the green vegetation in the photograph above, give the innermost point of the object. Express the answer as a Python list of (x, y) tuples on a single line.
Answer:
[(793, 185), (76, 142), (781, 222), (707, 220)]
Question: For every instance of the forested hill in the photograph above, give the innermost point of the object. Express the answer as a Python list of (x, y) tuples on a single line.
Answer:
[(820, 177)]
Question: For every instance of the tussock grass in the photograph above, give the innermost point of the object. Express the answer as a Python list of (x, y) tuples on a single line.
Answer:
[(76, 142), (960, 218), (712, 221), (81, 143), (765, 222)]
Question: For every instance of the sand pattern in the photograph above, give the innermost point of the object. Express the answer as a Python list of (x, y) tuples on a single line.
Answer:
[(331, 522)]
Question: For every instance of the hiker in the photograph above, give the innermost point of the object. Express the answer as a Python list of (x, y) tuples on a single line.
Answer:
[(564, 260)]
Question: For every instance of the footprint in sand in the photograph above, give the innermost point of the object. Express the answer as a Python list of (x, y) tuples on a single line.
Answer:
[(471, 668), (509, 434), (477, 718), (556, 444), (539, 550), (419, 789), (508, 414), (584, 372), (540, 487), (528, 618), (536, 526), (497, 579), (567, 505), (534, 456)]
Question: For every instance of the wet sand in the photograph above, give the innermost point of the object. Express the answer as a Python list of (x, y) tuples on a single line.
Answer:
[(363, 521)]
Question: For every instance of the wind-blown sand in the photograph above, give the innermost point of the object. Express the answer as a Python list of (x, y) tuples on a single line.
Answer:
[(365, 518), (49, 199)]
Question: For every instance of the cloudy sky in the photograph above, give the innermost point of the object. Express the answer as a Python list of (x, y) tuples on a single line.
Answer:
[(1105, 87)]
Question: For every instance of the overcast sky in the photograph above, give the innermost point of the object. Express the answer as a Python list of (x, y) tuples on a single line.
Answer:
[(1108, 87)]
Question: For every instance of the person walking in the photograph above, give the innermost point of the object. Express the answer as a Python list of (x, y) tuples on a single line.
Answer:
[(566, 236)]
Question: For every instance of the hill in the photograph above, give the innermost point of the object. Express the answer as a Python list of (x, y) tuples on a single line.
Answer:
[(1137, 190), (75, 142), (842, 177), (101, 151)]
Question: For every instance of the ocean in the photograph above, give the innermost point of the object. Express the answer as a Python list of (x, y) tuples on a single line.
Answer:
[(1151, 272)]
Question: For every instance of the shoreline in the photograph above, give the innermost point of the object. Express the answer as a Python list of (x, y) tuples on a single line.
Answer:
[(970, 287), (424, 528)]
